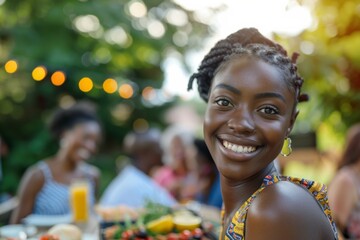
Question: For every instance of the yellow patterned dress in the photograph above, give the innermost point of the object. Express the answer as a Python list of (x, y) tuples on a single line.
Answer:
[(236, 228)]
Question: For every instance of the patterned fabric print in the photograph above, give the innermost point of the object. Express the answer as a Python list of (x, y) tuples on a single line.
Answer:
[(236, 229)]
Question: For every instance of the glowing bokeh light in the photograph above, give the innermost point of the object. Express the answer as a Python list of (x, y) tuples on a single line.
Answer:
[(126, 91), (148, 93), (117, 35), (87, 23), (66, 101), (110, 85), (140, 125), (156, 29), (176, 17), (138, 9), (39, 73), (180, 38), (86, 84), (11, 66), (58, 78), (121, 112)]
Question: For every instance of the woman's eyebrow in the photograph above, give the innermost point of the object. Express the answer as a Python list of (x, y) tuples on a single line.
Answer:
[(259, 95), (228, 87), (270, 95)]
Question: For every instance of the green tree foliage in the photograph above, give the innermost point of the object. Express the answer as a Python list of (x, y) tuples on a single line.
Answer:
[(123, 40), (330, 65)]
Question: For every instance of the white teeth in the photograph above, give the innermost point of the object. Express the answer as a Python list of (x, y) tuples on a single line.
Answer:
[(238, 148)]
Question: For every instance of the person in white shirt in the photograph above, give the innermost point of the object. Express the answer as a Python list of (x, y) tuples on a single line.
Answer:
[(133, 186)]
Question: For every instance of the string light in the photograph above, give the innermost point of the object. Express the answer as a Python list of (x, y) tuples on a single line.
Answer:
[(110, 85), (58, 78), (86, 84), (126, 91), (11, 66), (39, 73)]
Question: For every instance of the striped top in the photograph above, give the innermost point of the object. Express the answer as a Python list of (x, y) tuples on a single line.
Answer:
[(236, 229), (54, 197)]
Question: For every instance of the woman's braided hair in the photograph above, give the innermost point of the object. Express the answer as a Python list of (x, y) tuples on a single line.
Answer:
[(247, 42)]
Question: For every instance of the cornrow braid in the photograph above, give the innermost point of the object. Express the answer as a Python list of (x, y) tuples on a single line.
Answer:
[(247, 42)]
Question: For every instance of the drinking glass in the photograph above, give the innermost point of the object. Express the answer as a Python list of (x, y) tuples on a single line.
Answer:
[(79, 191)]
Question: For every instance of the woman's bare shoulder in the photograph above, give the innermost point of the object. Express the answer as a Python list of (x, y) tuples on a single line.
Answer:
[(287, 211), (34, 173), (33, 178)]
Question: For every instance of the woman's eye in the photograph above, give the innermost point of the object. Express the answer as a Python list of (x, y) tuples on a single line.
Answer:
[(222, 102), (269, 110)]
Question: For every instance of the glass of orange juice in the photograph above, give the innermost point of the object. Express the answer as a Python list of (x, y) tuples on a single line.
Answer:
[(79, 191)]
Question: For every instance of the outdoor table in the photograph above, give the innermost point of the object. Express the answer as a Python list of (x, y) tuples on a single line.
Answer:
[(89, 229)]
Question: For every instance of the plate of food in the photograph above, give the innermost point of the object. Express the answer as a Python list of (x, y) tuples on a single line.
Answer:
[(158, 222), (47, 220), (17, 231)]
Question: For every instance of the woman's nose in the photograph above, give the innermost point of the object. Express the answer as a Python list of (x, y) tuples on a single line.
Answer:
[(242, 121)]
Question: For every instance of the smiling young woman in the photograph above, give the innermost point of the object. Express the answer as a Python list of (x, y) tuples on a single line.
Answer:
[(252, 89), (45, 187)]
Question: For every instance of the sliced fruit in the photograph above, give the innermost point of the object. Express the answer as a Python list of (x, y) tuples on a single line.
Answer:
[(164, 224), (186, 222)]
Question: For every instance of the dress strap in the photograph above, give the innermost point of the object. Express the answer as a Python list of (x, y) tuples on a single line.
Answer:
[(236, 229), (44, 167)]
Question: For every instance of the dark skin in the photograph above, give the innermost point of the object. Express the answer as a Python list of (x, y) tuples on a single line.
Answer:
[(65, 166), (249, 113)]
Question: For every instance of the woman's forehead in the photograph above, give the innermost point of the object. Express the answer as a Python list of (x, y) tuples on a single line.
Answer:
[(248, 70)]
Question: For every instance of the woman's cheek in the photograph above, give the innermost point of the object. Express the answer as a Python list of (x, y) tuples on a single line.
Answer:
[(207, 123)]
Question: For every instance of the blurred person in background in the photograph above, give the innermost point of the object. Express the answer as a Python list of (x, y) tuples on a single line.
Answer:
[(133, 186), (44, 188), (207, 189), (3, 152), (344, 189), (178, 159)]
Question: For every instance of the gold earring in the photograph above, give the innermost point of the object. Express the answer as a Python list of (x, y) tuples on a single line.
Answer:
[(286, 149)]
